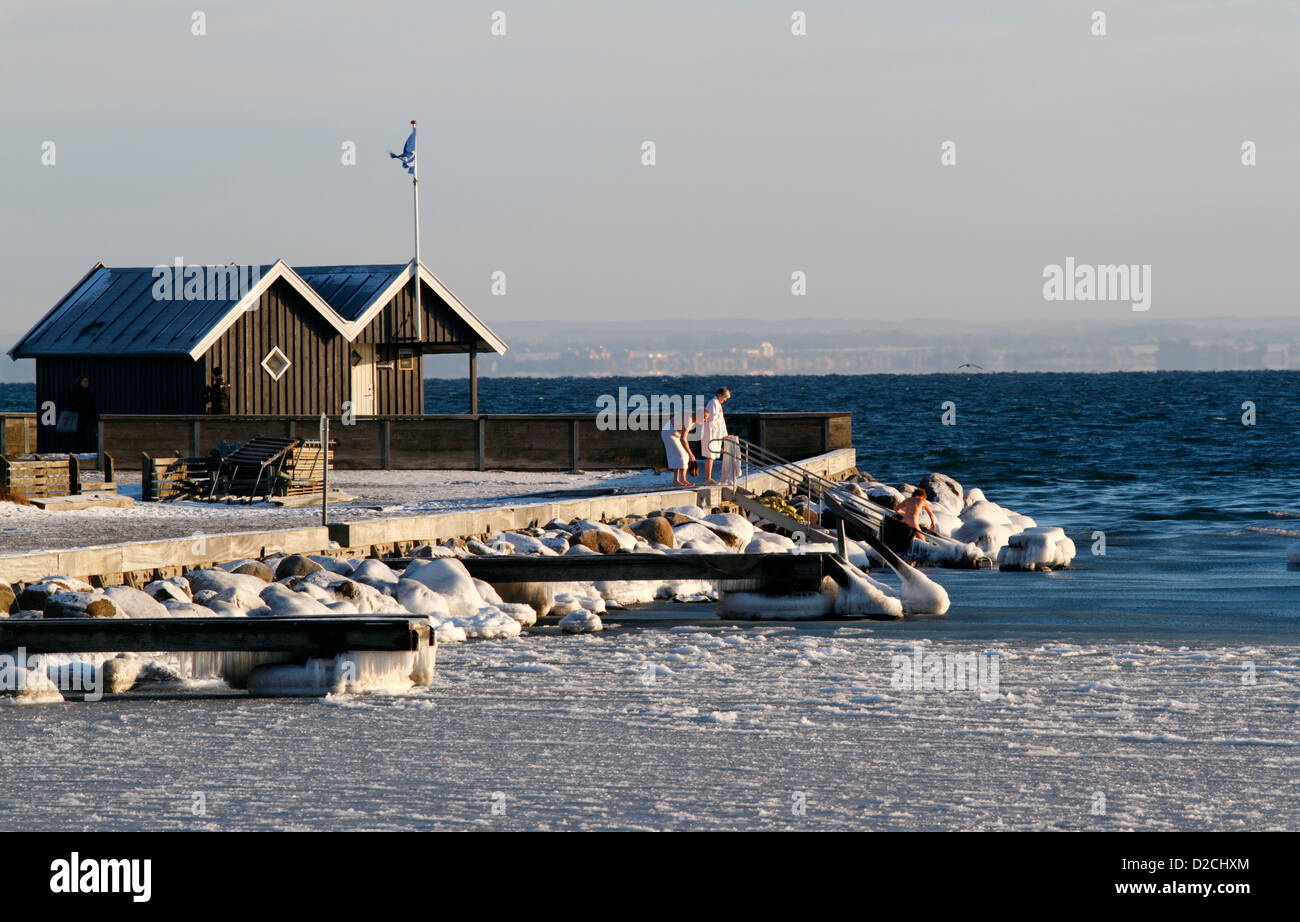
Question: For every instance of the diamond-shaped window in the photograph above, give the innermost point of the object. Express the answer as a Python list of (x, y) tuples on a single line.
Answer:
[(276, 363)]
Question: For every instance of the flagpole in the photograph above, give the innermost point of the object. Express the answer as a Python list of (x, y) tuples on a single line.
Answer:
[(419, 312)]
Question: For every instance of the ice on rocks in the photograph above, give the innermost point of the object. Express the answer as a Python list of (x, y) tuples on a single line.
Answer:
[(581, 621), (1037, 548), (419, 599), (285, 602), (449, 578), (741, 528), (524, 544), (217, 580), (866, 596), (375, 573), (765, 542), (801, 606)]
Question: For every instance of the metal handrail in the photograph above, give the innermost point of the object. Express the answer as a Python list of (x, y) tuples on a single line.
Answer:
[(815, 486)]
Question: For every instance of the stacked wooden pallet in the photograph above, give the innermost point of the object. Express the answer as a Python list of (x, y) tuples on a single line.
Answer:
[(57, 483), (40, 478), (304, 469)]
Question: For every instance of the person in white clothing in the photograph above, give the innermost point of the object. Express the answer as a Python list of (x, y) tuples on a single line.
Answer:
[(713, 428), (678, 450)]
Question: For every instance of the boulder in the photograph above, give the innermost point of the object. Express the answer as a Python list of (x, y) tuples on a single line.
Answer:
[(255, 568), (581, 621), (65, 604), (656, 530), (419, 599), (600, 541), (173, 589), (448, 577), (284, 602), (218, 580), (120, 673), (697, 536), (134, 603), (374, 573), (735, 529), (296, 565), (945, 493), (340, 565)]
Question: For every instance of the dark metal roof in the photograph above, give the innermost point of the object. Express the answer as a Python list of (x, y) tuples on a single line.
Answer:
[(114, 312), (349, 289)]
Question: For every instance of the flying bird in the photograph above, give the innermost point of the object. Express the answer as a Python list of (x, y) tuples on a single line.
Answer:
[(970, 365)]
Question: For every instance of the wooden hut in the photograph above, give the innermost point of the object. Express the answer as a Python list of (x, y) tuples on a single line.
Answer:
[(288, 341)]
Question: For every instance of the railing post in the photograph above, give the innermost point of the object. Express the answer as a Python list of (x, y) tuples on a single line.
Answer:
[(4, 434), (573, 445), (480, 444), (194, 438), (385, 445), (74, 476)]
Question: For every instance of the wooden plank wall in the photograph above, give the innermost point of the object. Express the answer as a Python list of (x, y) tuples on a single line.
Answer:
[(517, 441), (316, 382)]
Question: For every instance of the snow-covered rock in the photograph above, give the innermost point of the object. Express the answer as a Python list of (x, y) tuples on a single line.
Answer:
[(581, 621)]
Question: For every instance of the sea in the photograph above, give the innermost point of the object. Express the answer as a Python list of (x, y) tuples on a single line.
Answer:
[(1153, 685)]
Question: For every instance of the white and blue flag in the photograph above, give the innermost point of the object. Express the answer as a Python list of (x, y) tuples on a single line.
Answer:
[(407, 156)]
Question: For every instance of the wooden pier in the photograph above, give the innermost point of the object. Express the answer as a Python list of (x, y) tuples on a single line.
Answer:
[(319, 636)]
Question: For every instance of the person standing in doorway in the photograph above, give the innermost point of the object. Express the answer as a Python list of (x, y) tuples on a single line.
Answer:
[(713, 428), (218, 394), (81, 401)]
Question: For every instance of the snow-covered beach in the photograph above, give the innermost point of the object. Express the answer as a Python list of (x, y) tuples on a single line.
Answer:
[(672, 718), (696, 727)]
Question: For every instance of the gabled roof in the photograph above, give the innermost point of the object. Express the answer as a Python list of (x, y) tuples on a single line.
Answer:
[(359, 293), (114, 312)]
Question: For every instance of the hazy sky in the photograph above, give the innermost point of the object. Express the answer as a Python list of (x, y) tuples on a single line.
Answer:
[(775, 152)]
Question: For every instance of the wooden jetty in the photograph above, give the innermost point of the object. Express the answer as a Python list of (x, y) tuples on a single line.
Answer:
[(312, 636)]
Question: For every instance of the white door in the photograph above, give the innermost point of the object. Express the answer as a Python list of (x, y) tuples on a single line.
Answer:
[(363, 379)]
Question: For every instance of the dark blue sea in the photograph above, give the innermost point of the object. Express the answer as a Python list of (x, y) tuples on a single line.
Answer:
[(1197, 508)]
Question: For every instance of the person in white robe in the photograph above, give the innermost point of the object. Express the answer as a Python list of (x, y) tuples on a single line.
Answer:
[(713, 432), (678, 450)]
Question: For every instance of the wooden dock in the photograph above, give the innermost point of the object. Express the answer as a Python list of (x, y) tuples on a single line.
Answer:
[(319, 636)]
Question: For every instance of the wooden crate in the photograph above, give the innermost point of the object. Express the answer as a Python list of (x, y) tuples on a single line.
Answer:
[(304, 469), (164, 479), (40, 478)]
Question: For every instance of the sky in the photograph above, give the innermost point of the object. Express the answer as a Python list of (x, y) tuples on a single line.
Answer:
[(775, 152)]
